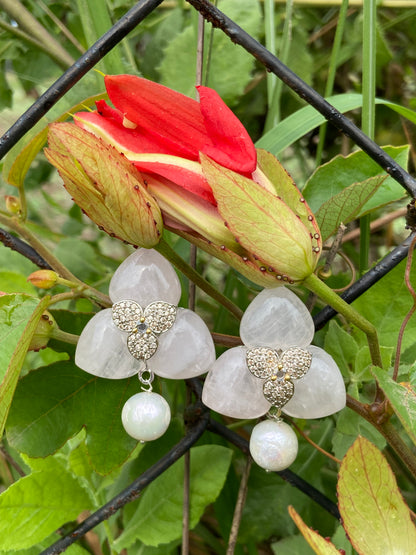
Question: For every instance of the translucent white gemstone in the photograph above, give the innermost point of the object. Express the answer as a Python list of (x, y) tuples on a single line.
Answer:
[(273, 445), (146, 416), (185, 350), (145, 276), (277, 318), (102, 349), (321, 391), (232, 390)]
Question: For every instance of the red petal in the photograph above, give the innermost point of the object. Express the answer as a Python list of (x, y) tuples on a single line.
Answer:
[(182, 177), (172, 119), (231, 144), (115, 133)]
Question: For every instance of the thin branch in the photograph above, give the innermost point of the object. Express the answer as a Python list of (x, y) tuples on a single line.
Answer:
[(226, 340), (239, 506), (376, 224), (11, 461), (411, 311), (64, 30), (24, 249), (314, 445)]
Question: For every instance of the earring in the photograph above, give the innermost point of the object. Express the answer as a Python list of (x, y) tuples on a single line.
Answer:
[(145, 333), (277, 370)]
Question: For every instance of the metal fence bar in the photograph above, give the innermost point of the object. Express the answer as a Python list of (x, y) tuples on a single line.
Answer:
[(373, 275), (239, 36), (88, 60)]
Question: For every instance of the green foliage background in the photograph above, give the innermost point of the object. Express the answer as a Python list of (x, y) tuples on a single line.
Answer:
[(57, 434)]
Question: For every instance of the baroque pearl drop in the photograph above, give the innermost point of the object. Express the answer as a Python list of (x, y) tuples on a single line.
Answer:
[(146, 416), (273, 445)]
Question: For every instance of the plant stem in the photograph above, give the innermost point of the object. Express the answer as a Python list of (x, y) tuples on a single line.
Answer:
[(166, 250), (16, 11), (239, 506), (387, 430), (333, 64), (273, 113), (270, 36), (314, 284), (368, 113), (91, 293), (411, 311), (64, 336)]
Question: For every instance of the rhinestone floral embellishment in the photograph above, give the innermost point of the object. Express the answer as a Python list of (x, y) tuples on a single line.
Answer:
[(143, 325), (278, 369)]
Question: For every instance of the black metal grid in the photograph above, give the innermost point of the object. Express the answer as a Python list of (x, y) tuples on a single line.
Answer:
[(200, 416)]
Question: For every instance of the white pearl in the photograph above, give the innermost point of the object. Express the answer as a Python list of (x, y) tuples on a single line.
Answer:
[(146, 416), (273, 445)]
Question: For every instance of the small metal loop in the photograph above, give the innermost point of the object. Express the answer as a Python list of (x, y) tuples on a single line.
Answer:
[(274, 414), (146, 381)]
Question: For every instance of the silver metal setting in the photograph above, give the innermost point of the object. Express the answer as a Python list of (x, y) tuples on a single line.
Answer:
[(278, 369), (146, 378)]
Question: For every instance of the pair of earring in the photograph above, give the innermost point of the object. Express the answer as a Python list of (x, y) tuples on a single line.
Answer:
[(277, 370)]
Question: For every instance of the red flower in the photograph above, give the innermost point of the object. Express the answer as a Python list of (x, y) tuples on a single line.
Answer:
[(198, 169), (163, 132)]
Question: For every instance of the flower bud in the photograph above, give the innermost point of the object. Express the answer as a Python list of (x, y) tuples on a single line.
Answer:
[(43, 279), (268, 217), (105, 185), (13, 205), (43, 332)]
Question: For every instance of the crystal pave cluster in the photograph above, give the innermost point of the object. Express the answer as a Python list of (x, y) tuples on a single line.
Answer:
[(143, 325), (278, 371)]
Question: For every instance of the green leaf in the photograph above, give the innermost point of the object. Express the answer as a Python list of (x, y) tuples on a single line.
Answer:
[(262, 516), (96, 21), (320, 545), (292, 545), (343, 171), (349, 426), (229, 67), (11, 282), (19, 316), (25, 158), (38, 504), (402, 397), (73, 549), (346, 205), (373, 512), (304, 120), (65, 400), (387, 311), (341, 346), (80, 258), (158, 518)]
